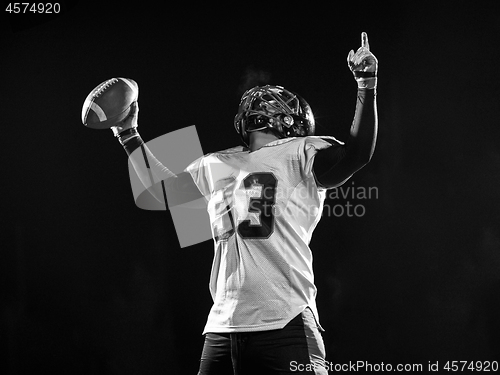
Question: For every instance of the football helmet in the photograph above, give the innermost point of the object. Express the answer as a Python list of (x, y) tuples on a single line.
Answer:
[(273, 107)]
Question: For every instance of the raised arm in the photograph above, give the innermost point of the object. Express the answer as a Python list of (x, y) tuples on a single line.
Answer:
[(334, 165)]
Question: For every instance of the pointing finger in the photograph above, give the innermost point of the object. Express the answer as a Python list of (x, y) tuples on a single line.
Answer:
[(364, 41)]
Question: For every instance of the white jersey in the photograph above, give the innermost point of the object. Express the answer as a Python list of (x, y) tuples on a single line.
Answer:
[(263, 206)]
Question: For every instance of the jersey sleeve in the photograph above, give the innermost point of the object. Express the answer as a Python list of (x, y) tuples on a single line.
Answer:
[(198, 171), (311, 146)]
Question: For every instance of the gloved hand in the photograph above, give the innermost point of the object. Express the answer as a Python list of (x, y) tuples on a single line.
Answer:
[(129, 122), (363, 64)]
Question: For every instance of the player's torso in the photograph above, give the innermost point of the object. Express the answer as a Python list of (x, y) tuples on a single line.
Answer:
[(263, 208)]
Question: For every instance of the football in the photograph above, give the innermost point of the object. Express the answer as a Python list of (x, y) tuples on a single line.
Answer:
[(109, 103)]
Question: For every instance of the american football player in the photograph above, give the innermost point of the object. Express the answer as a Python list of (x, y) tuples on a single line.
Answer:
[(263, 209)]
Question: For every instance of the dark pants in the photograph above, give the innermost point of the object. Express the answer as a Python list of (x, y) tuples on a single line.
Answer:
[(296, 349)]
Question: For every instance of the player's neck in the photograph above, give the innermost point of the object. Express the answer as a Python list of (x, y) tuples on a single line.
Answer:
[(259, 139)]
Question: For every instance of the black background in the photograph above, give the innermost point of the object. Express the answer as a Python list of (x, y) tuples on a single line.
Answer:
[(90, 284)]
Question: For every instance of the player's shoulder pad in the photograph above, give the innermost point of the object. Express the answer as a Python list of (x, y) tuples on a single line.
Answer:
[(232, 150), (316, 142), (332, 140), (211, 155)]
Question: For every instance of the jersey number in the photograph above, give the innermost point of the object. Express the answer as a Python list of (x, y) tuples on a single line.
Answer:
[(262, 205)]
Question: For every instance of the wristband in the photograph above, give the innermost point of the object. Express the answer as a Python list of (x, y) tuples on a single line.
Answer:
[(361, 74), (127, 135), (367, 83)]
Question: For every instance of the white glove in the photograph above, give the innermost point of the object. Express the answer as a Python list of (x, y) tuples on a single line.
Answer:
[(363, 64)]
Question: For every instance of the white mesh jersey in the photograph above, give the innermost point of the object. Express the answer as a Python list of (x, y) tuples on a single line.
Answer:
[(263, 207)]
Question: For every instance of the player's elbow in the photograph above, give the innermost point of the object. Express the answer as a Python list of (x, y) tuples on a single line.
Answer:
[(358, 160), (359, 155), (365, 159)]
